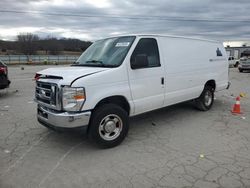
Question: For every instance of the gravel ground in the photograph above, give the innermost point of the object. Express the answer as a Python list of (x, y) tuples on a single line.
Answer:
[(177, 146)]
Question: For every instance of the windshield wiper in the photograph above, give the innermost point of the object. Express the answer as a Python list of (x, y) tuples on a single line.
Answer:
[(89, 63), (93, 63), (76, 63), (98, 63)]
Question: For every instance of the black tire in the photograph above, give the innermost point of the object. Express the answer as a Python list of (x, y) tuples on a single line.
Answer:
[(236, 64), (104, 119), (240, 70), (4, 82), (206, 99)]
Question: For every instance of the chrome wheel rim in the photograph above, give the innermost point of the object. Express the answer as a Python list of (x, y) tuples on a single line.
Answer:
[(208, 98), (110, 127)]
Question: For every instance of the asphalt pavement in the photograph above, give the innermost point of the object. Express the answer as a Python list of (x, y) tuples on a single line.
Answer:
[(177, 146)]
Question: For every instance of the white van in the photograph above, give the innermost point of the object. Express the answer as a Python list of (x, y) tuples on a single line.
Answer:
[(124, 76)]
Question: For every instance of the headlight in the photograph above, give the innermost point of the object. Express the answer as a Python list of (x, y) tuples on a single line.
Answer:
[(73, 98)]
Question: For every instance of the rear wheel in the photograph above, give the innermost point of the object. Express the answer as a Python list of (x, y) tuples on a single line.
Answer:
[(206, 99), (109, 125), (240, 70)]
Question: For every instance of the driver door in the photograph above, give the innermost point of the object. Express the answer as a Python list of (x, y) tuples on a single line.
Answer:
[(146, 80)]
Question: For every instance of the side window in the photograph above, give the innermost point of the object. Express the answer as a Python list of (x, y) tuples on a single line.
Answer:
[(148, 48)]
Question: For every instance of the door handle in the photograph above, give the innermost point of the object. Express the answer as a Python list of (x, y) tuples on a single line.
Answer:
[(162, 81)]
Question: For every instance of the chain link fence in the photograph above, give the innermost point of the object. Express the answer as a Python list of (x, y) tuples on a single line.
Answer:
[(38, 59)]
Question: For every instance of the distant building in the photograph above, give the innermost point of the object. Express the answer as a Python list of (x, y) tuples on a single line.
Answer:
[(238, 52)]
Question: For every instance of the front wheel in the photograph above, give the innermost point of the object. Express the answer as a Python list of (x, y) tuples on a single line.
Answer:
[(206, 99), (240, 70), (109, 125)]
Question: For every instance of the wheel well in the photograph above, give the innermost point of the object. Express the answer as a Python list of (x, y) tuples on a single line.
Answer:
[(118, 100), (211, 83)]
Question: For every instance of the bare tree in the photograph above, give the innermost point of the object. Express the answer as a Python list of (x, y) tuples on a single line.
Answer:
[(53, 45), (27, 43)]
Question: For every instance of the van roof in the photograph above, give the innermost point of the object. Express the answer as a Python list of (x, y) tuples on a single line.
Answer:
[(170, 36)]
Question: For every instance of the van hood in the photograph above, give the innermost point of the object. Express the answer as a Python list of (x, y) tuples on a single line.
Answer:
[(69, 74)]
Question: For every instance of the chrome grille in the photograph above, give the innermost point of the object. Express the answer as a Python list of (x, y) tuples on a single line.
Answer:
[(46, 93)]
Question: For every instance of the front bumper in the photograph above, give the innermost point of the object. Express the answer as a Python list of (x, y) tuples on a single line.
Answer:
[(57, 119)]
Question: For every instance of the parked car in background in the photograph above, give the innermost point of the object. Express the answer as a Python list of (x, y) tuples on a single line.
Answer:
[(4, 80), (233, 62), (244, 64)]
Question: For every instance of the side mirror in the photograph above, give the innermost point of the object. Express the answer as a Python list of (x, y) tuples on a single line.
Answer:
[(140, 61)]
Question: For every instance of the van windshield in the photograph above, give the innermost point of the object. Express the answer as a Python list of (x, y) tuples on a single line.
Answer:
[(106, 53)]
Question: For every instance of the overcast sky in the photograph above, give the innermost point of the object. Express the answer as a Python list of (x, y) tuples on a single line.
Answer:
[(224, 20)]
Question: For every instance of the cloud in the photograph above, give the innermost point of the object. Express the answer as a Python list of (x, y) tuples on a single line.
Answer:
[(94, 19)]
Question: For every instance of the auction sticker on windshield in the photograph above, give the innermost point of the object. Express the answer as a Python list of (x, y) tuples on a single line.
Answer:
[(122, 44)]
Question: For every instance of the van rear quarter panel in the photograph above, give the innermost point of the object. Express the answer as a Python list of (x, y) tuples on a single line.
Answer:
[(189, 64)]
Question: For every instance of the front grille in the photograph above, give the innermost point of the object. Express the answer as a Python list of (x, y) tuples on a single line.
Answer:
[(245, 66), (46, 93)]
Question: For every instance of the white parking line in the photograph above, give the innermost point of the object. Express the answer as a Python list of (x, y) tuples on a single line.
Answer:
[(58, 163), (24, 154)]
